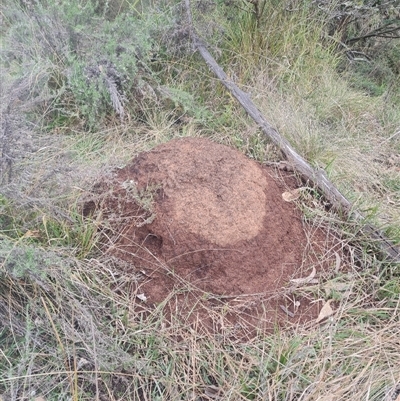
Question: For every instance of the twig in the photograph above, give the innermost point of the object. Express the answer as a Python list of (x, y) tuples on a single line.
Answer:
[(379, 33), (390, 138)]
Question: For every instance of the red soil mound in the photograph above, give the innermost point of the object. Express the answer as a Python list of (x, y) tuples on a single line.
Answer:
[(193, 211)]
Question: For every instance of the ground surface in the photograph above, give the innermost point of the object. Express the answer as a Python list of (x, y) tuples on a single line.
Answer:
[(200, 221)]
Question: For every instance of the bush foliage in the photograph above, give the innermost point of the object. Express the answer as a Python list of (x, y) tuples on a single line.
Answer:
[(82, 66)]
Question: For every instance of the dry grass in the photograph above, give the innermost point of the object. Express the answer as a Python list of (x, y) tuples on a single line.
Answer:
[(352, 143), (78, 331)]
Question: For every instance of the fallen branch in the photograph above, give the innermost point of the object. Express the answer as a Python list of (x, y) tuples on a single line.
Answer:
[(380, 32), (316, 178)]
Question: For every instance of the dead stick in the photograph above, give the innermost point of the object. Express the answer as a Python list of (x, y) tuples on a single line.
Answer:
[(315, 178)]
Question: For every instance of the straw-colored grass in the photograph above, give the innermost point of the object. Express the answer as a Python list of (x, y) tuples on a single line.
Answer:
[(72, 331)]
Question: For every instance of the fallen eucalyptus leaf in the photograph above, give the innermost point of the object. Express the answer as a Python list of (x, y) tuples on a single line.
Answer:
[(325, 312), (305, 280)]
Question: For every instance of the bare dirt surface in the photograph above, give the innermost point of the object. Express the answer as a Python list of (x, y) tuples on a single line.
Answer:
[(209, 233)]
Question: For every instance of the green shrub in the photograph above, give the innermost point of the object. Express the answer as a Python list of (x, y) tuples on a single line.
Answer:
[(83, 67)]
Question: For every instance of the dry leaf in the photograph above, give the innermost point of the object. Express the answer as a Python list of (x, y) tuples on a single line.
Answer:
[(325, 312), (305, 280), (32, 234), (142, 297), (290, 196), (338, 262), (39, 399)]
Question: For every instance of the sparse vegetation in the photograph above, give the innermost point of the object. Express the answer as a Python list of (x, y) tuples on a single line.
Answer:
[(87, 85)]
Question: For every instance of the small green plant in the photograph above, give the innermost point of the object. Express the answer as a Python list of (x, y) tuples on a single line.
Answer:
[(390, 290), (79, 234)]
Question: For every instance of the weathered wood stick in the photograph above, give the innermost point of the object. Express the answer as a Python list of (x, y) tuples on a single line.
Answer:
[(317, 178)]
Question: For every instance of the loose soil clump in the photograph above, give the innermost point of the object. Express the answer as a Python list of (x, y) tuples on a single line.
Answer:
[(200, 221)]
